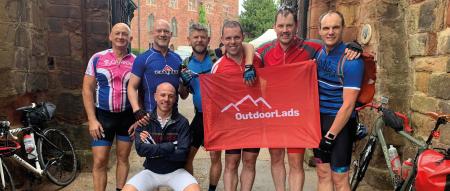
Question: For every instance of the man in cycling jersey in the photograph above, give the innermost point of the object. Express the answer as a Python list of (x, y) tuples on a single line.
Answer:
[(107, 107), (165, 144), (233, 61), (338, 91), (287, 49), (200, 62), (156, 65)]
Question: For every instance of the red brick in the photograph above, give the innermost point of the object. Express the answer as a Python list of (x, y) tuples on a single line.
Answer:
[(161, 10)]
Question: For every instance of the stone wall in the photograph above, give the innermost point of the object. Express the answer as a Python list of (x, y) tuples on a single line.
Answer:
[(411, 40), (45, 46)]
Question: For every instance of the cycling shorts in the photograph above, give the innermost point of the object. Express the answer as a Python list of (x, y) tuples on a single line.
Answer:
[(113, 124), (239, 151), (197, 130), (341, 153), (147, 180)]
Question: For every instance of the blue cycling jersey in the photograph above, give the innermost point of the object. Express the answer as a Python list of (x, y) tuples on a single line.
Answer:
[(154, 68), (199, 67), (330, 85)]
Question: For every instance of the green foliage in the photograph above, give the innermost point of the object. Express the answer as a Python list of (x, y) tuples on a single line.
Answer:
[(259, 16), (202, 15), (136, 51)]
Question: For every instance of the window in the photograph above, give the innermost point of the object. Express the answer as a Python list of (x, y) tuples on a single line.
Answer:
[(190, 24), (208, 8), (191, 5), (173, 3), (151, 1), (150, 22), (174, 26)]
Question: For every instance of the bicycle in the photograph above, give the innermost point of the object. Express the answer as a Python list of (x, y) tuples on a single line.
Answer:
[(400, 124), (55, 155)]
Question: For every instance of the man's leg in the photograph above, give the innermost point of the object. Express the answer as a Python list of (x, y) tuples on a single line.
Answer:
[(296, 172), (123, 149), (190, 160), (248, 170), (341, 181), (99, 168), (277, 168), (215, 170), (230, 175), (324, 175)]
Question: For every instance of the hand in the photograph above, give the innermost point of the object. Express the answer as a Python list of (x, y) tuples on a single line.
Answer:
[(132, 129), (142, 117), (353, 50), (326, 145), (249, 74), (186, 76), (96, 129), (145, 137)]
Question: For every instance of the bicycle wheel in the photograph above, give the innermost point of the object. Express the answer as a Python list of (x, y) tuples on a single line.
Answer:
[(57, 156), (360, 165), (8, 183)]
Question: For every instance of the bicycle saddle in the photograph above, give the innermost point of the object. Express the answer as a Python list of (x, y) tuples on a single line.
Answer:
[(436, 116)]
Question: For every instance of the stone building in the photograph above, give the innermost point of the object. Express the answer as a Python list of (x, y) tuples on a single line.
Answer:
[(180, 13), (411, 40)]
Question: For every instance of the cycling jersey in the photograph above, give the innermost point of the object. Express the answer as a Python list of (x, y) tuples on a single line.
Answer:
[(330, 84), (154, 68), (112, 77), (300, 50), (199, 67), (228, 65)]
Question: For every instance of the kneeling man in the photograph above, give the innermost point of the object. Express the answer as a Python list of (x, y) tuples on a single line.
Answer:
[(165, 143)]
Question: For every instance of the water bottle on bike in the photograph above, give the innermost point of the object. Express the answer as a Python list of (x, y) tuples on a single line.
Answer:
[(30, 146), (395, 160), (406, 168)]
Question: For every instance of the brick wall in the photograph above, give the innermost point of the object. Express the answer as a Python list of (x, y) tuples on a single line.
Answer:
[(216, 12)]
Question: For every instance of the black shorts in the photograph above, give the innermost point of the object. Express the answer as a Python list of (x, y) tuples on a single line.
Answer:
[(114, 124), (342, 151), (197, 130), (239, 151)]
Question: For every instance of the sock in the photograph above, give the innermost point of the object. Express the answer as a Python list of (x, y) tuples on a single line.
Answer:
[(212, 187), (118, 189)]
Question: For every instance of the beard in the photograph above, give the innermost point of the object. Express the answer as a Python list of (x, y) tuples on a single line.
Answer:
[(199, 51)]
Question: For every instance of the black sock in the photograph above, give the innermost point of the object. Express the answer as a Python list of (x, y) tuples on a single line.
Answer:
[(212, 187), (118, 189)]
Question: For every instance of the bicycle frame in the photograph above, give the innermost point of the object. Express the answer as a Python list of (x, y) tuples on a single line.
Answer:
[(377, 131)]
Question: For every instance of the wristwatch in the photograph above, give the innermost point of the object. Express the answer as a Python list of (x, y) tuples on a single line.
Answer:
[(330, 136)]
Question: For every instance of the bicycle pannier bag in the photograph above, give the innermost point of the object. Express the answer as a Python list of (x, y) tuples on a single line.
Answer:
[(433, 172)]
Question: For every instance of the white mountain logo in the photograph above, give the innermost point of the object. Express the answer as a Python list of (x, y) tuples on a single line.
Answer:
[(247, 97)]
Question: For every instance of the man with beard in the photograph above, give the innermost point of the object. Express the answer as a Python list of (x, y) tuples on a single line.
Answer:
[(157, 65), (287, 49), (200, 62)]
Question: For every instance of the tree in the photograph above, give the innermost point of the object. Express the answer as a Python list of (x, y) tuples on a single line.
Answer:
[(202, 15), (259, 15)]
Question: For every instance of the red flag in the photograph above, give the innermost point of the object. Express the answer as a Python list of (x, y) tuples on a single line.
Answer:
[(280, 111)]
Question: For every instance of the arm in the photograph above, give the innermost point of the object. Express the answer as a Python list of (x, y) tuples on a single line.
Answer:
[(95, 128), (344, 113), (183, 91), (151, 150), (249, 52), (184, 137), (132, 90)]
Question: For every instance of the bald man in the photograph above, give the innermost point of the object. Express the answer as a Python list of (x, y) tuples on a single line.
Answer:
[(165, 143), (107, 108), (157, 65)]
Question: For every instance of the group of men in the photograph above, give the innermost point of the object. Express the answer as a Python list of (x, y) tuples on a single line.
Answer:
[(136, 97)]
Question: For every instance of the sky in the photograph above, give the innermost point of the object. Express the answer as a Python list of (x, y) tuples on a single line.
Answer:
[(240, 6)]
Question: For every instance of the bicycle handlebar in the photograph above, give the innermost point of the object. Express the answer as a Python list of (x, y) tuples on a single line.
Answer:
[(379, 107)]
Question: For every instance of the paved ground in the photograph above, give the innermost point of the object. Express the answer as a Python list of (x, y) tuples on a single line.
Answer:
[(263, 180)]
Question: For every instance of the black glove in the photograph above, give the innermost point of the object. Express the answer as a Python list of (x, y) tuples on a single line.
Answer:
[(326, 145), (139, 114), (249, 72), (355, 46)]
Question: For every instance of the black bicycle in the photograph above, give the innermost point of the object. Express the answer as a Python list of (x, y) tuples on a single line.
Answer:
[(54, 155)]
